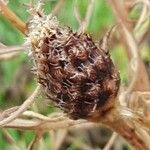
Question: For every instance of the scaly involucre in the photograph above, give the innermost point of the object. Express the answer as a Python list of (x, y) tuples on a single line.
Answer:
[(74, 73)]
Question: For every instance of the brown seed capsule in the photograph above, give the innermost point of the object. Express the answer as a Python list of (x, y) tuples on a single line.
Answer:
[(76, 74)]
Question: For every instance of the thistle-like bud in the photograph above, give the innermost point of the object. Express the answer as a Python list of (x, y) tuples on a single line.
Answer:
[(73, 72)]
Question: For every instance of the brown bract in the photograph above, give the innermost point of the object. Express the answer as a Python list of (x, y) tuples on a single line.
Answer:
[(76, 74)]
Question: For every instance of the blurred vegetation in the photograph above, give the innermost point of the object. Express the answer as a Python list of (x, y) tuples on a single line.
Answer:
[(101, 20)]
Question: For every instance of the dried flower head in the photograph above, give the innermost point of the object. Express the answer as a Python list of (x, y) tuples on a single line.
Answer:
[(74, 73)]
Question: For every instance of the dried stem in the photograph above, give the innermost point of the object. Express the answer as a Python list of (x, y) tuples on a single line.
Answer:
[(32, 114), (111, 141), (7, 13), (125, 124), (144, 36), (57, 138), (21, 109), (127, 128), (77, 15), (104, 43), (60, 137), (35, 141), (7, 55), (145, 14), (57, 8), (140, 74), (11, 49), (85, 22), (44, 125), (10, 140)]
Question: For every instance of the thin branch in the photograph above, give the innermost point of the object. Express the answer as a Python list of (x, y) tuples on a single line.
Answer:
[(86, 20), (44, 125), (137, 65), (8, 56), (122, 124), (7, 52), (86, 125), (7, 13), (145, 14), (122, 120), (60, 136), (143, 21), (134, 63), (10, 140), (142, 1), (21, 109), (35, 141), (127, 128), (58, 6), (111, 141), (104, 43), (52, 134), (41, 145), (37, 119), (89, 12), (77, 15), (143, 134), (7, 112), (12, 49), (144, 36), (32, 114)]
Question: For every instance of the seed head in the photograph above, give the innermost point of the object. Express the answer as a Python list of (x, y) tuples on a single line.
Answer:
[(76, 74)]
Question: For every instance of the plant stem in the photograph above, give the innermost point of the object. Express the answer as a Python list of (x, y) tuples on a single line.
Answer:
[(128, 129), (7, 13)]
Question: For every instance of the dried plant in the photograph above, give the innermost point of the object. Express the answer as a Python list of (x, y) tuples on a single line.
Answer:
[(74, 73), (79, 76)]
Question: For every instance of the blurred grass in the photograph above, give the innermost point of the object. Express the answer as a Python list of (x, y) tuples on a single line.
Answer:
[(100, 21)]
